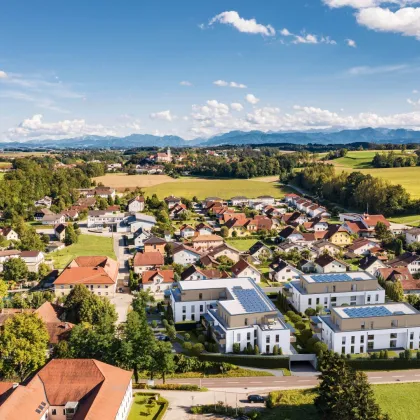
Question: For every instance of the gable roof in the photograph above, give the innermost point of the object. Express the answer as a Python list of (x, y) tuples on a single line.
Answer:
[(401, 274), (207, 238), (257, 247), (154, 240), (223, 247), (368, 261), (139, 198), (240, 266), (149, 275), (60, 228), (371, 220), (279, 265), (404, 260), (288, 231), (325, 259), (207, 273), (142, 259), (182, 247)]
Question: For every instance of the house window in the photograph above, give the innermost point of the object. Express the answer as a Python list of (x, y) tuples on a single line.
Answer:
[(362, 350), (370, 337), (326, 301), (309, 301), (317, 301), (412, 336), (201, 308), (362, 339), (352, 349), (393, 344), (343, 340), (353, 338), (184, 309), (334, 289), (53, 411), (343, 350), (362, 325), (238, 337), (248, 336), (267, 338), (267, 349), (353, 287), (277, 338), (393, 336), (246, 321), (368, 298), (200, 296), (184, 317), (370, 345), (377, 298), (192, 317)]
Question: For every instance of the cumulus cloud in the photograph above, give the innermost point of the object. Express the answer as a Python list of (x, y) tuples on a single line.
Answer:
[(3, 74), (305, 38), (369, 70), (237, 106), (250, 98), (361, 4), (223, 83), (351, 43), (249, 26), (162, 115), (185, 83), (413, 102), (35, 127)]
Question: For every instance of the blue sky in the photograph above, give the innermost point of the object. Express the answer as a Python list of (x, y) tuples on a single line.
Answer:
[(199, 68)]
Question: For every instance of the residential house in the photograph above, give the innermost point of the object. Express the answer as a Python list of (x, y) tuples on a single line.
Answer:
[(100, 191), (371, 264), (157, 281), (239, 201), (328, 264), (362, 246), (154, 244), (256, 205), (225, 250), (290, 198), (41, 213), (296, 218), (204, 229), (9, 234), (104, 218), (6, 255), (186, 231), (274, 211), (338, 235), (136, 204), (369, 221), (409, 259), (292, 247), (53, 219), (98, 273), (335, 289), (316, 225), (409, 284), (323, 246), (362, 328), (140, 220), (243, 269), (281, 271), (356, 228), (60, 232), (266, 199), (44, 202), (412, 236), (209, 200), (178, 210), (196, 273), (113, 167), (204, 242), (185, 255), (172, 201), (164, 157), (140, 236), (260, 251), (146, 261), (234, 312), (291, 234), (239, 226), (73, 214), (232, 215), (72, 389), (32, 259)]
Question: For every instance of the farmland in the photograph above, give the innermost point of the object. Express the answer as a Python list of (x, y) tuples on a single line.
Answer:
[(163, 186)]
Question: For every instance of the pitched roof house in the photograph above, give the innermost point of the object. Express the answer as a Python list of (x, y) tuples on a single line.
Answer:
[(403, 275), (327, 264), (196, 273), (243, 269), (144, 261), (157, 281), (282, 271)]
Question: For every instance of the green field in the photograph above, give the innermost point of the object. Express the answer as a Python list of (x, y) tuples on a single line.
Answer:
[(221, 188), (399, 401), (361, 160), (407, 220), (86, 246), (241, 244)]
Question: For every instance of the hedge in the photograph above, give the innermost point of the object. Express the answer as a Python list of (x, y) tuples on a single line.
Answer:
[(178, 387), (384, 364), (265, 362)]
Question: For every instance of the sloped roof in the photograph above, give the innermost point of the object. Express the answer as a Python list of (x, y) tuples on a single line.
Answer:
[(154, 240), (148, 258), (240, 266), (149, 275), (207, 238)]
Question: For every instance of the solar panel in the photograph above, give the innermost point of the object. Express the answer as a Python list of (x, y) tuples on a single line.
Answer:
[(367, 312), (332, 277), (251, 300)]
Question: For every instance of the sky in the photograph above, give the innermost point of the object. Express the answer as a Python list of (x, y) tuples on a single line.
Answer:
[(201, 68)]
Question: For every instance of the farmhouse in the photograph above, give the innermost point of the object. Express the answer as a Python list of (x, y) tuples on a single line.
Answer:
[(9, 234)]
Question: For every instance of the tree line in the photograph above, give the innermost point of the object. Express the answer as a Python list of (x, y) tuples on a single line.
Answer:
[(393, 160)]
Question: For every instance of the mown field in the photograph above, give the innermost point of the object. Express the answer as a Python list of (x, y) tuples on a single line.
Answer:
[(242, 244), (362, 159), (87, 245), (399, 401)]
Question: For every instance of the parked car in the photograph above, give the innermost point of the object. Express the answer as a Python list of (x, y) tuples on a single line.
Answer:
[(120, 290), (255, 399)]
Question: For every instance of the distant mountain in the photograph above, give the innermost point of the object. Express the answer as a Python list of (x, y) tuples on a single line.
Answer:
[(369, 135)]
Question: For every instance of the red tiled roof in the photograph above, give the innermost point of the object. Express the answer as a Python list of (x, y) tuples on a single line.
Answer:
[(401, 274), (167, 275), (148, 258)]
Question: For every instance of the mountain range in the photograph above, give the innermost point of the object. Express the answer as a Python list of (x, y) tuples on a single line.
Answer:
[(369, 135)]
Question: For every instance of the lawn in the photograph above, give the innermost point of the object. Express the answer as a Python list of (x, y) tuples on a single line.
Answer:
[(86, 246), (1, 175), (241, 244), (407, 220), (399, 401), (360, 160), (141, 409), (226, 188)]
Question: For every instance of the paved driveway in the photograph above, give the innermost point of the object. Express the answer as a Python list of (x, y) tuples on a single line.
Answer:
[(122, 301)]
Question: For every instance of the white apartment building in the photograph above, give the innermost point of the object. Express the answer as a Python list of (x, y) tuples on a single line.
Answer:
[(360, 329), (101, 218), (335, 289), (234, 311)]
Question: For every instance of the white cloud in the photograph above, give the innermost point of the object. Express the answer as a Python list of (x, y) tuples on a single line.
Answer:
[(250, 98), (368, 70), (162, 115), (249, 26), (185, 83), (351, 43), (306, 38), (361, 4), (223, 83), (405, 21), (413, 102), (415, 91), (237, 106), (36, 128), (3, 74)]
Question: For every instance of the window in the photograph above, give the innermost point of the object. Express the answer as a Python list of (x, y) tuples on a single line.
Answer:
[(317, 301), (393, 344), (343, 350), (326, 301), (200, 296), (333, 299), (246, 321), (334, 288), (353, 338), (412, 336), (368, 299), (352, 349), (267, 338), (370, 337), (53, 411), (201, 308), (343, 340), (277, 339), (248, 336), (192, 317), (377, 298), (371, 325), (309, 301), (353, 287), (370, 345), (184, 317), (393, 336), (411, 345), (353, 298), (184, 309), (362, 339), (238, 337), (363, 325), (362, 350)]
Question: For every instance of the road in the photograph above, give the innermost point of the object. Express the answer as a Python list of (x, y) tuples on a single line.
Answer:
[(293, 382)]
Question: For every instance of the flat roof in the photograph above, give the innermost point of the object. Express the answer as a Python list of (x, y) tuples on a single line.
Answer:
[(338, 277), (368, 311), (246, 295)]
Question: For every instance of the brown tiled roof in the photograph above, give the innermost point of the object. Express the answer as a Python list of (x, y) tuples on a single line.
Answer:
[(148, 258), (401, 274), (356, 227), (240, 266), (372, 219), (29, 254), (207, 238), (154, 240), (9, 252), (89, 270), (149, 275)]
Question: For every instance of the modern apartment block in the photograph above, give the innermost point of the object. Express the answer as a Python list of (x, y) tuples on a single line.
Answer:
[(335, 289), (360, 329), (233, 311)]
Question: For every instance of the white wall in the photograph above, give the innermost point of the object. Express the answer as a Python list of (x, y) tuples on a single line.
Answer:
[(185, 257)]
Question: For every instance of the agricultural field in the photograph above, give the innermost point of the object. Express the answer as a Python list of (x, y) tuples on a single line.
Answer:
[(87, 245), (122, 181)]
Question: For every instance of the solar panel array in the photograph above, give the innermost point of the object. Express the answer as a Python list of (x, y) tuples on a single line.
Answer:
[(250, 300), (328, 278), (367, 311)]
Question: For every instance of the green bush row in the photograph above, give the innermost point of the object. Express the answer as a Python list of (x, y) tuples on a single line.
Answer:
[(178, 387), (384, 364), (265, 362)]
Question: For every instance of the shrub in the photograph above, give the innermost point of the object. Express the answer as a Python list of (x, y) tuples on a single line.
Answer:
[(187, 337), (265, 362), (320, 347), (300, 325), (276, 350), (187, 345), (236, 348), (178, 387), (305, 335), (197, 349), (310, 312), (256, 349), (154, 324), (201, 338), (386, 354)]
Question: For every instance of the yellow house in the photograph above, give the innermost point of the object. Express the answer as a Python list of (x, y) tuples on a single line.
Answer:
[(239, 226), (337, 235)]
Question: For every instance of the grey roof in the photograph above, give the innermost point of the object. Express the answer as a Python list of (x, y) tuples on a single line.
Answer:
[(145, 218)]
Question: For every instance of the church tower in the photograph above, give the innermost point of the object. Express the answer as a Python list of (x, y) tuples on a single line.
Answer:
[(169, 154)]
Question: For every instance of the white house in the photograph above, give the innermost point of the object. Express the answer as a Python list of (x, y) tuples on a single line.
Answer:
[(53, 219), (185, 255), (157, 281), (186, 231), (234, 311), (140, 236), (102, 218), (335, 289), (9, 234), (204, 229), (409, 259), (140, 220), (136, 204), (266, 199), (362, 246), (371, 264), (360, 329), (32, 259), (281, 271), (412, 235), (239, 201), (244, 269), (328, 264)]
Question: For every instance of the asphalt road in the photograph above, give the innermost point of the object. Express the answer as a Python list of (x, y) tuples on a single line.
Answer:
[(294, 381)]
